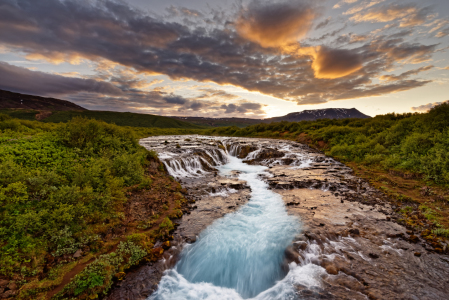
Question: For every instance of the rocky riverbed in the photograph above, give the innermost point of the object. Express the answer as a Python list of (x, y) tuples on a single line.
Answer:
[(349, 236)]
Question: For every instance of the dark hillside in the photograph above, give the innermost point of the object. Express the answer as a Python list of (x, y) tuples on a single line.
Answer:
[(22, 101), (122, 119), (29, 107)]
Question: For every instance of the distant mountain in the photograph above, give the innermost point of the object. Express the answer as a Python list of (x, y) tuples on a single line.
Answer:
[(305, 115), (315, 114), (22, 101)]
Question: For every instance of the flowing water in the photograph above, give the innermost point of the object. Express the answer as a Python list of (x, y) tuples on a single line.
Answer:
[(240, 256)]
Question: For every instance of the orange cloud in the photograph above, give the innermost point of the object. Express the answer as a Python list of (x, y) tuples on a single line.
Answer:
[(275, 24), (410, 15), (332, 63), (56, 57)]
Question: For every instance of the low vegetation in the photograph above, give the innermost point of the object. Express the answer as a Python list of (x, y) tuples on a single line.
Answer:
[(117, 118), (65, 191)]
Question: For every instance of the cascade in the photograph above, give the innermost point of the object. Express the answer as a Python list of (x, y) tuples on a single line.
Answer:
[(239, 256)]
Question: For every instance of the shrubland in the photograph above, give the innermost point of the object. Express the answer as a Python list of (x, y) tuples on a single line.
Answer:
[(63, 189)]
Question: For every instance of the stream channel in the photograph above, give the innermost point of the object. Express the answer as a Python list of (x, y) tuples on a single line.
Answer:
[(274, 219)]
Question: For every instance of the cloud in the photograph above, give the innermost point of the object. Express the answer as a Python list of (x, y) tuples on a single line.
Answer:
[(275, 24), (437, 24), (442, 33), (395, 51), (428, 106), (405, 74), (22, 80), (261, 56), (255, 108), (343, 2), (323, 23), (335, 63), (217, 94), (174, 99), (409, 15)]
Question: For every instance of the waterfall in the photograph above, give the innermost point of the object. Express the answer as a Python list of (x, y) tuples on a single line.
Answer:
[(240, 255)]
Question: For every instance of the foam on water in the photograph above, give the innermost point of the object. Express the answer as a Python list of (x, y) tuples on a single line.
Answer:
[(240, 255)]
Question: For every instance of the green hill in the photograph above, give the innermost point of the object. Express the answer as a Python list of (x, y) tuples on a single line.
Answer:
[(122, 119)]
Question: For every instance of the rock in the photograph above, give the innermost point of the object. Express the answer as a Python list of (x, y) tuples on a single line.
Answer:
[(8, 294), (3, 282), (330, 267), (301, 245), (78, 253), (354, 231), (291, 254)]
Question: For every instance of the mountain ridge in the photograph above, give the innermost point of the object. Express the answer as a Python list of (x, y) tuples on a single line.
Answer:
[(305, 115)]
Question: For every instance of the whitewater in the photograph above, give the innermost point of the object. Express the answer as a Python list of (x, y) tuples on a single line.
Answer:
[(240, 256)]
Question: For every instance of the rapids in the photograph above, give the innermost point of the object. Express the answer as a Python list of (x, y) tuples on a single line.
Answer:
[(240, 255)]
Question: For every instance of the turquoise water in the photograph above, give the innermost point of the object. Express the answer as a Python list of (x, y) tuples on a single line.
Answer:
[(240, 255)]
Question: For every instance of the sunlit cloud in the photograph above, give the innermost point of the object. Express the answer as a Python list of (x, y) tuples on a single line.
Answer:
[(275, 24), (428, 106)]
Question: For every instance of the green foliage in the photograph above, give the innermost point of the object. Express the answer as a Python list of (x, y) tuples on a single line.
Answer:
[(165, 227), (441, 232), (24, 114), (60, 182), (415, 143), (97, 276)]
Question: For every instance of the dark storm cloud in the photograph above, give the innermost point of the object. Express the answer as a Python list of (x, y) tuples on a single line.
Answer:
[(22, 80), (72, 30)]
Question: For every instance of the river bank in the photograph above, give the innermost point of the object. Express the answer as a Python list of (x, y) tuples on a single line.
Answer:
[(348, 244)]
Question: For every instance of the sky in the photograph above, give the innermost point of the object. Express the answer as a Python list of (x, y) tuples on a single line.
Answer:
[(228, 58)]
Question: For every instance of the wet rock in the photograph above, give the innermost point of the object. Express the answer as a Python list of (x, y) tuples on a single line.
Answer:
[(330, 267), (291, 255), (301, 245)]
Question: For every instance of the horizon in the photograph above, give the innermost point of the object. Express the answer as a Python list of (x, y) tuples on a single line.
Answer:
[(228, 59)]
